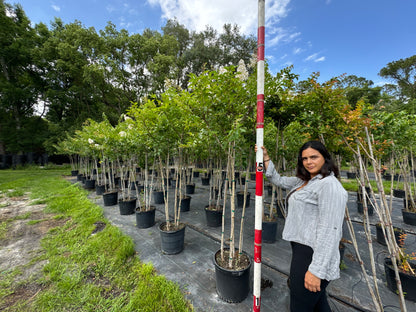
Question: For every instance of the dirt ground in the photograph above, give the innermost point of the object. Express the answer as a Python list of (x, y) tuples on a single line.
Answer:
[(25, 224)]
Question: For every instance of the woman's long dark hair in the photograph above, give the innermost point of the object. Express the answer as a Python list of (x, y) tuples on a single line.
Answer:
[(328, 167)]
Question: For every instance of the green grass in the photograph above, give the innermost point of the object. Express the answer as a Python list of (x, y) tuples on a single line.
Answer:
[(83, 272)]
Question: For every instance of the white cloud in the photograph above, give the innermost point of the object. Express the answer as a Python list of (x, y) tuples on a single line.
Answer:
[(196, 15), (314, 57), (311, 57), (110, 8), (281, 35), (56, 8), (297, 50)]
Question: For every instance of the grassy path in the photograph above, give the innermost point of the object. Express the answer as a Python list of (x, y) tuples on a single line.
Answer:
[(81, 262)]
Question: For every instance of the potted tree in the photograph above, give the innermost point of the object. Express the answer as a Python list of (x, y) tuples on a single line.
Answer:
[(222, 102)]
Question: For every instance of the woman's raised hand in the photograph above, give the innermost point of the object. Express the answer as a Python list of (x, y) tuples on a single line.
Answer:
[(265, 154)]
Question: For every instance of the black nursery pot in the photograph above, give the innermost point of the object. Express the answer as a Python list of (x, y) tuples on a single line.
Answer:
[(100, 189), (110, 198), (269, 231), (145, 219), (399, 193), (380, 237), (232, 286), (360, 208), (240, 199), (408, 281), (185, 203), (213, 217), (409, 217), (89, 184), (351, 175), (172, 242), (190, 188), (74, 173), (158, 197), (127, 207), (205, 180)]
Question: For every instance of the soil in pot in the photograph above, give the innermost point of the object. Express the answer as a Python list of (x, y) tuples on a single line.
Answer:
[(127, 206), (172, 241), (145, 218), (213, 215), (232, 284), (408, 281)]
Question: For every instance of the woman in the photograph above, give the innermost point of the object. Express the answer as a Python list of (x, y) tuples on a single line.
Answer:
[(316, 205)]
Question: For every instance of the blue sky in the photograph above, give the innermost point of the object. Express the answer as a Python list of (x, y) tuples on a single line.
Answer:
[(333, 37)]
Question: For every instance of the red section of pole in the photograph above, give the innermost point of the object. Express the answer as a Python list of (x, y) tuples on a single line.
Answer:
[(259, 158)]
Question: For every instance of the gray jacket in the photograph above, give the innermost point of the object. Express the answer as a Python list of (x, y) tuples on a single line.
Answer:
[(315, 217)]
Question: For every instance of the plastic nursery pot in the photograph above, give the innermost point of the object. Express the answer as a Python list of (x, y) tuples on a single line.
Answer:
[(158, 197), (110, 198), (269, 230), (89, 184), (100, 189), (399, 193), (408, 281), (409, 217), (240, 199), (172, 241), (380, 237), (360, 208), (185, 203), (233, 285), (127, 206), (146, 218), (205, 180), (190, 188), (213, 216)]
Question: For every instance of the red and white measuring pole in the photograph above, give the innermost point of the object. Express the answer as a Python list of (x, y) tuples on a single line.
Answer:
[(259, 159)]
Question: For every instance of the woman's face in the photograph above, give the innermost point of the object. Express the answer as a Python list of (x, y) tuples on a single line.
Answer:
[(312, 161)]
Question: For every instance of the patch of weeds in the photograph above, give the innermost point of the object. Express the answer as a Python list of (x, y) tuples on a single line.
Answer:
[(59, 217), (6, 281), (16, 193), (6, 204), (39, 201), (23, 216), (32, 222), (3, 229)]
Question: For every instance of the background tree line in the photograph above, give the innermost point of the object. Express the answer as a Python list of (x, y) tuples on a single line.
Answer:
[(53, 79)]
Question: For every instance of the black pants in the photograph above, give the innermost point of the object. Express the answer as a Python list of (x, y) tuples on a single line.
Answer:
[(301, 299)]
